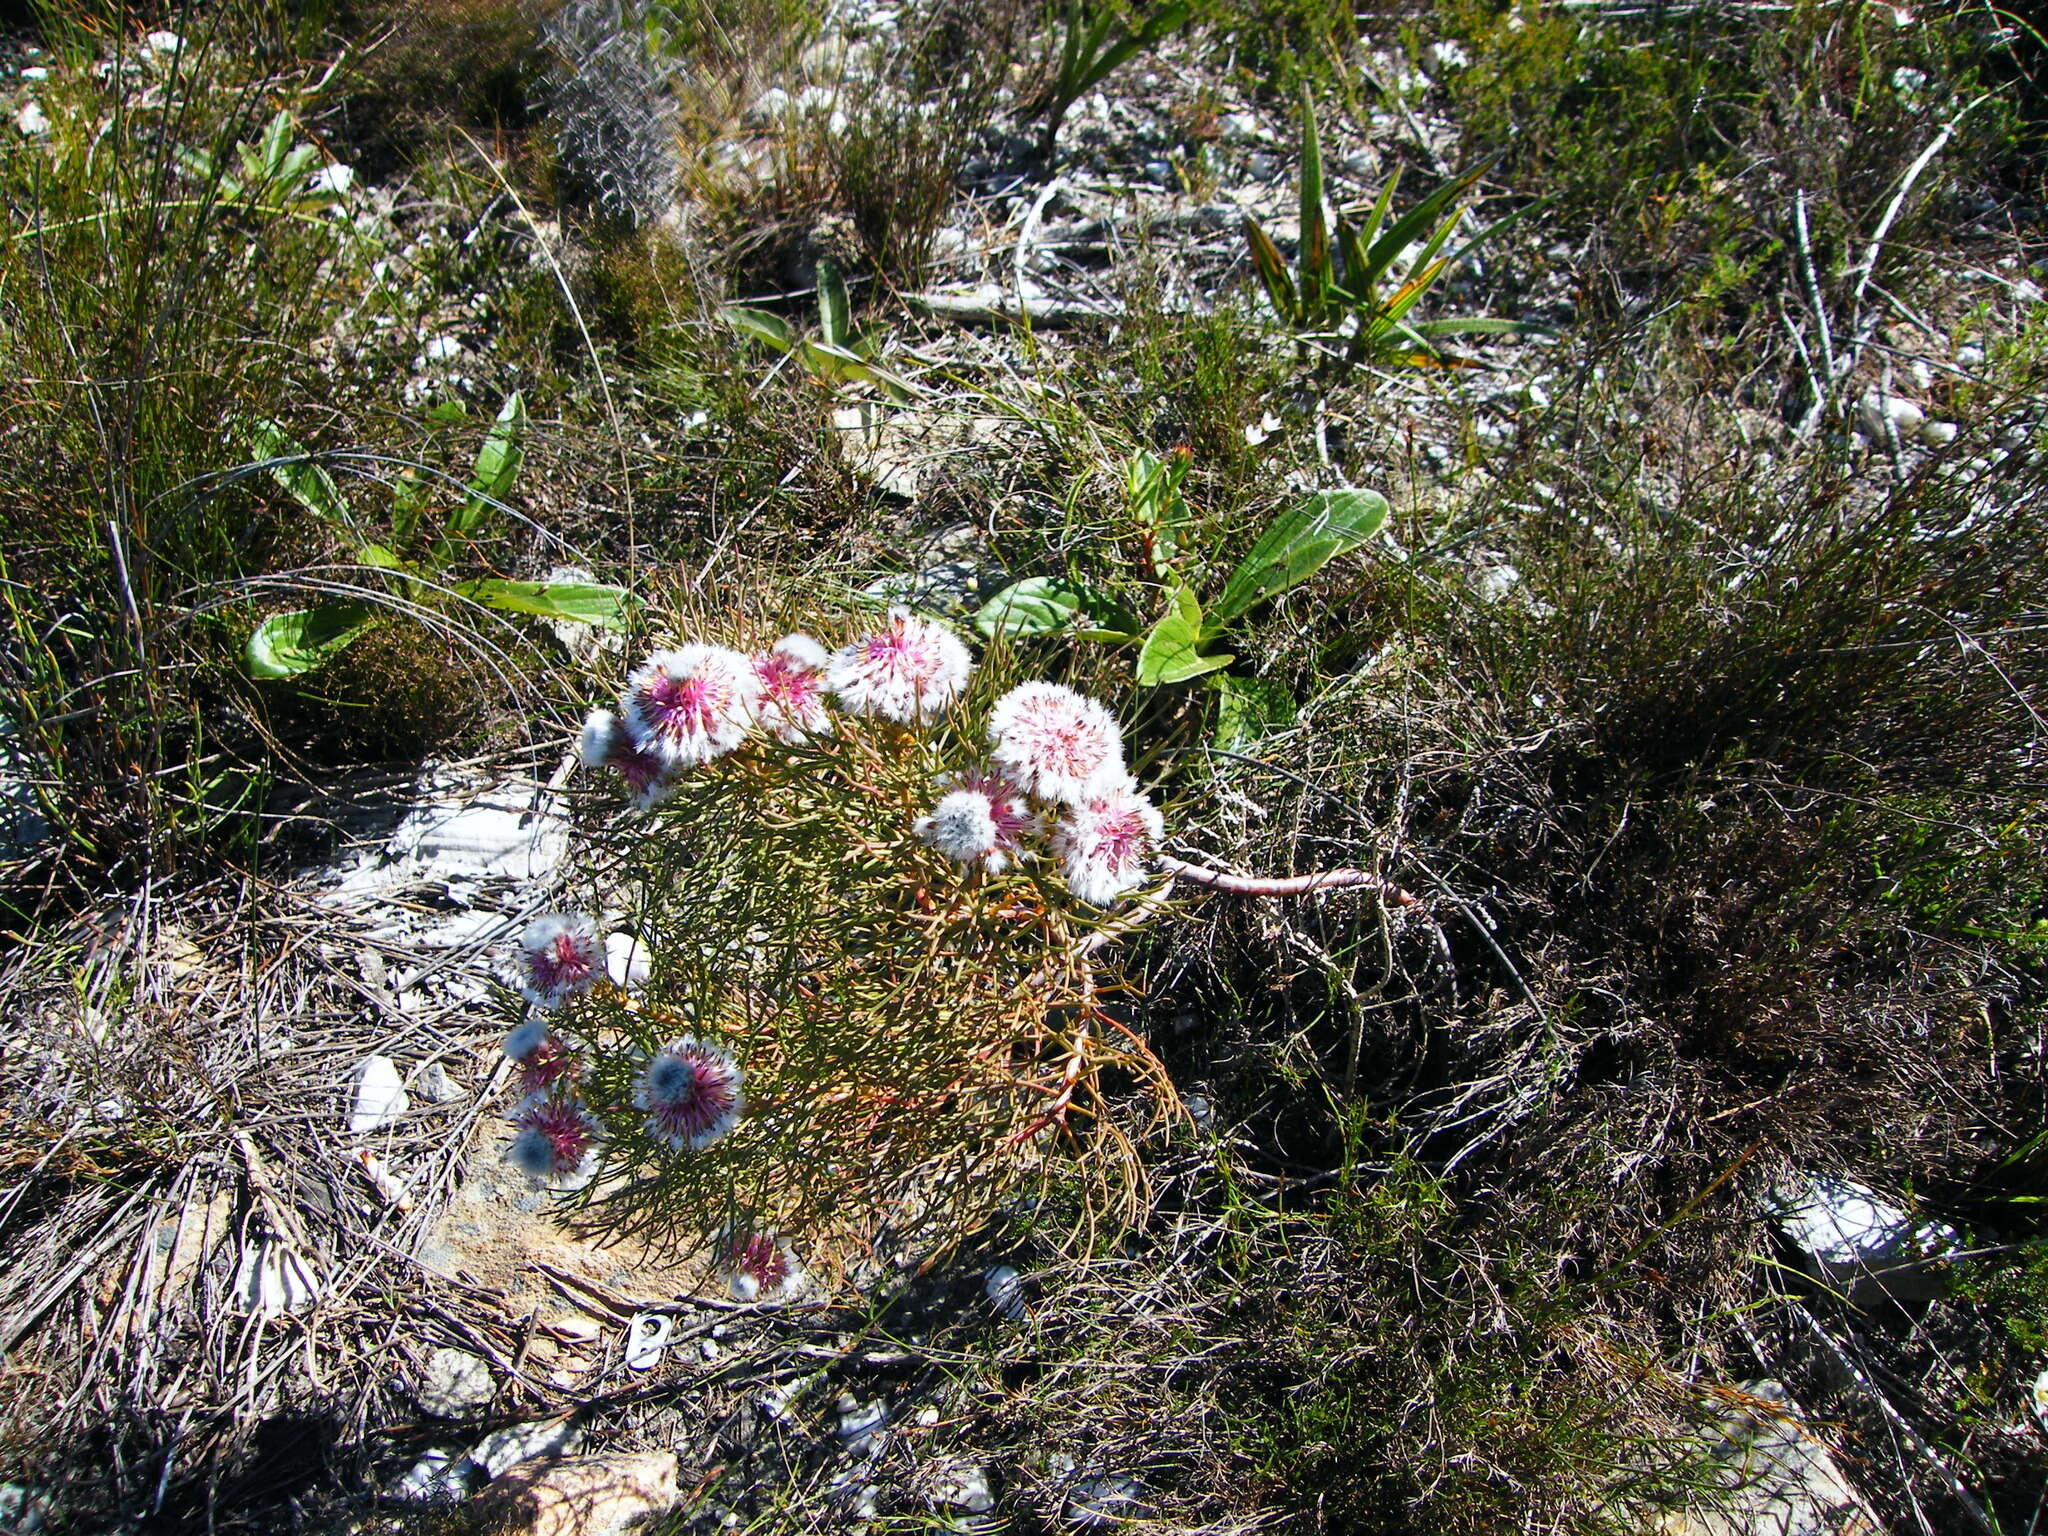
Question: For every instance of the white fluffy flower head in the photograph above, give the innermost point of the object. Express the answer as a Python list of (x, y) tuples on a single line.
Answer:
[(1106, 843), (791, 678), (910, 671), (606, 743), (691, 1093), (557, 1138), (559, 957), (691, 705), (1055, 743), (982, 819)]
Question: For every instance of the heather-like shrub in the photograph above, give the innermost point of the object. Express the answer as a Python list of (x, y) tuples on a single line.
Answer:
[(875, 898)]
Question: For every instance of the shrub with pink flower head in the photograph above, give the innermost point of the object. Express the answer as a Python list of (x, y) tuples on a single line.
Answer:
[(1056, 744), (875, 1002), (691, 705), (909, 671)]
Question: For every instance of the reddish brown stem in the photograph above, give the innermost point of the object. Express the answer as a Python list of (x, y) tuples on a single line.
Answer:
[(1289, 885)]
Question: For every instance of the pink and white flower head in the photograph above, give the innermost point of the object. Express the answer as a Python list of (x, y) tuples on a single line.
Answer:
[(606, 743), (1054, 743), (690, 1092), (791, 678), (559, 957), (982, 819), (543, 1057), (758, 1266), (1106, 843), (556, 1138), (691, 705), (910, 671)]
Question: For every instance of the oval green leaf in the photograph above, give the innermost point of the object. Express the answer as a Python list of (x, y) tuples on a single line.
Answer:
[(1303, 539), (288, 644)]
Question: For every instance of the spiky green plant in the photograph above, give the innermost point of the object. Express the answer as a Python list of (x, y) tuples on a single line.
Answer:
[(1342, 291)]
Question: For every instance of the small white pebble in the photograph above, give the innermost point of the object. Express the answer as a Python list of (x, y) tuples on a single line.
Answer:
[(31, 121)]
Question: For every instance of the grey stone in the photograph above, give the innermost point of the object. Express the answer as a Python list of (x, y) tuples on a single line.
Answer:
[(1104, 1501), (1862, 1243), (962, 1485), (455, 1381), (498, 1453)]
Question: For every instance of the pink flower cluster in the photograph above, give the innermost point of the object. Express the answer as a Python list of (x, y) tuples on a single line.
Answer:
[(689, 1092), (691, 705), (1051, 743)]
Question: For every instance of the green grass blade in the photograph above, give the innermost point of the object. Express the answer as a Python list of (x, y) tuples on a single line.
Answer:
[(1315, 238)]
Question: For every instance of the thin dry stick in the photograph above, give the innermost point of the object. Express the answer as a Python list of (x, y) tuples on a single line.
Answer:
[(1286, 885)]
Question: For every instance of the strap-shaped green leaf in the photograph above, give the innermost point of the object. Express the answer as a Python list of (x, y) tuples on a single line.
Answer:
[(1314, 264), (1160, 24), (288, 644), (301, 477), (497, 467), (1303, 539), (1272, 270), (835, 315), (586, 602)]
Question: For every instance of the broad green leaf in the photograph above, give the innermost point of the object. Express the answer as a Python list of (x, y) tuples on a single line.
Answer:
[(382, 556), (287, 644), (1172, 651), (1044, 605), (1247, 708), (760, 325), (586, 602), (835, 315), (1303, 539), (497, 467), (303, 479)]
